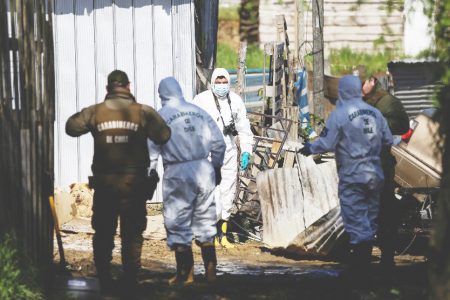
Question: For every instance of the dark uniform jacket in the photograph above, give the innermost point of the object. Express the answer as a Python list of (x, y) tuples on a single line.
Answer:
[(396, 117), (120, 127)]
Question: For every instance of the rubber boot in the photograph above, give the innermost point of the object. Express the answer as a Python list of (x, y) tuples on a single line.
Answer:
[(185, 267), (223, 235), (106, 282), (209, 260), (359, 263), (362, 271), (387, 262)]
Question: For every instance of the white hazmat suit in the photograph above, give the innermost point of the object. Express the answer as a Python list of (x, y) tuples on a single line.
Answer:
[(356, 132), (194, 150), (231, 108)]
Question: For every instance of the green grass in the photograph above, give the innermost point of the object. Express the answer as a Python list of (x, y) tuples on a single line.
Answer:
[(343, 61), (17, 278), (229, 13), (227, 57)]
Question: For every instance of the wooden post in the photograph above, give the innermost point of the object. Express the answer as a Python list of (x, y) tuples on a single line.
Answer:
[(318, 76), (297, 34), (291, 81), (240, 81), (282, 37)]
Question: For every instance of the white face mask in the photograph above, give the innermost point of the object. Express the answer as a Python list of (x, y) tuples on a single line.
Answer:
[(221, 89)]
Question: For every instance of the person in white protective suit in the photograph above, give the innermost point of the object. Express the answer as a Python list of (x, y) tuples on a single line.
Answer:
[(356, 132), (192, 159), (230, 114)]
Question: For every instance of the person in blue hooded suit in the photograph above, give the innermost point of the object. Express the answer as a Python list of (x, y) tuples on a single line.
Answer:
[(356, 132)]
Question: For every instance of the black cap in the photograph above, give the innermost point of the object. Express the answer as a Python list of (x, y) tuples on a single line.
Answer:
[(117, 78)]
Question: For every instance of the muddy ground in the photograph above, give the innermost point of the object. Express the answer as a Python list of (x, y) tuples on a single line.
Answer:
[(248, 271)]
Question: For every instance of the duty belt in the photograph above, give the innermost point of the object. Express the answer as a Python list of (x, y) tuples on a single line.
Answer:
[(124, 171)]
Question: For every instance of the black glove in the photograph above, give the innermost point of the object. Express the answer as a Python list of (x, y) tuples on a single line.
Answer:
[(218, 175), (306, 150), (152, 182)]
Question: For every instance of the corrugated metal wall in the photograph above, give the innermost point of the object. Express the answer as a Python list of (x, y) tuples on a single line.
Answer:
[(414, 84), (148, 39)]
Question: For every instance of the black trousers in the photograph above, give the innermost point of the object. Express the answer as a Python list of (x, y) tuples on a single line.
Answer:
[(119, 197), (389, 216)]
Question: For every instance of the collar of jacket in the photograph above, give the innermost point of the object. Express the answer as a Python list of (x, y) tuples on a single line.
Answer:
[(120, 92), (375, 95)]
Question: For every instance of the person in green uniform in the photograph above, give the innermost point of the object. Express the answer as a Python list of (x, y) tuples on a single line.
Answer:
[(398, 122), (120, 127)]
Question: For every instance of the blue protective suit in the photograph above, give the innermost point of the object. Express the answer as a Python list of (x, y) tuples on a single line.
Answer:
[(195, 148), (356, 132)]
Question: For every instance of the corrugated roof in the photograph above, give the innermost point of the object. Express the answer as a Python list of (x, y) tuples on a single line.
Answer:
[(414, 83)]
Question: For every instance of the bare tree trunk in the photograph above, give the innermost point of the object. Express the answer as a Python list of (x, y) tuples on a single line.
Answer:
[(249, 21), (440, 241)]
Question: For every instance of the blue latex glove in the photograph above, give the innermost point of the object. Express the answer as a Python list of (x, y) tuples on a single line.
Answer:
[(245, 159), (306, 150)]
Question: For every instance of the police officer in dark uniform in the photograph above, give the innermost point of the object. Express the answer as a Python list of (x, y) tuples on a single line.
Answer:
[(120, 127), (398, 121)]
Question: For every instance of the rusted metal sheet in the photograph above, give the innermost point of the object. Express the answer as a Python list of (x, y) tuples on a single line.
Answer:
[(419, 161), (293, 200)]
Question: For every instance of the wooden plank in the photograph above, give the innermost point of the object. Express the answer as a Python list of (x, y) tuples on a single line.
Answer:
[(278, 75), (289, 159), (278, 55), (272, 91), (291, 113), (276, 146), (240, 81)]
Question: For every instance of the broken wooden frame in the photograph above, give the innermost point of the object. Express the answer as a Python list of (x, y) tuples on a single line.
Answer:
[(274, 88), (267, 148)]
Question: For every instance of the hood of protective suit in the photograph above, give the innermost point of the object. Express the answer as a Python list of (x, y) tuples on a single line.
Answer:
[(350, 88), (169, 88), (219, 72)]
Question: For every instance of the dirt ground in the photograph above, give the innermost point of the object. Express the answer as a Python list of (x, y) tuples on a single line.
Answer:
[(249, 271)]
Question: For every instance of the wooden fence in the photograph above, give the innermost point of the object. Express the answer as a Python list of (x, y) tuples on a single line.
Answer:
[(361, 25), (26, 125)]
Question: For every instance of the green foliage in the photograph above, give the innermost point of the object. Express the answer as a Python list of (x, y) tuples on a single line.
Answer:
[(17, 279), (249, 10), (344, 60), (229, 13), (227, 57), (255, 57)]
